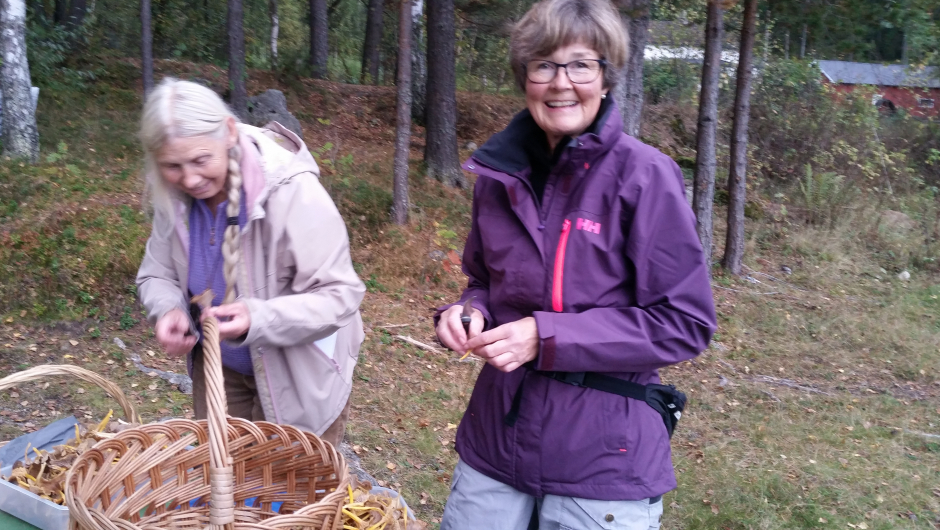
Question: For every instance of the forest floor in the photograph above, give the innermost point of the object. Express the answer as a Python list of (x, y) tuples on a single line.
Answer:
[(817, 405)]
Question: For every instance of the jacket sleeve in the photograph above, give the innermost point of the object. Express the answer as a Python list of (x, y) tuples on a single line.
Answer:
[(478, 277), (673, 318), (158, 285), (313, 249)]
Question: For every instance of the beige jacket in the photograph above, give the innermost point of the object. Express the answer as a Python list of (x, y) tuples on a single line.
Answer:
[(295, 275)]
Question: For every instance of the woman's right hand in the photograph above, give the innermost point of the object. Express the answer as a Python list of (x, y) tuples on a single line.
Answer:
[(450, 330), (172, 331)]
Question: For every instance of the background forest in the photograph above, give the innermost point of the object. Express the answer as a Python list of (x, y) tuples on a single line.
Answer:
[(818, 403)]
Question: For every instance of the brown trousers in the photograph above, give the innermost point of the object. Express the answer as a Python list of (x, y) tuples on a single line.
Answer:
[(241, 394)]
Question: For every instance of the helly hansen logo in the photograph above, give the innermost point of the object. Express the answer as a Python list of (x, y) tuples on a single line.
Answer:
[(588, 226)]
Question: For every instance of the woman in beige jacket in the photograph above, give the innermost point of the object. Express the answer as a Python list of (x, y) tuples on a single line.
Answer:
[(289, 314)]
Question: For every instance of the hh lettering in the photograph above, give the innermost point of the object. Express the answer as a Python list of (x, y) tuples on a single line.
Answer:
[(588, 226)]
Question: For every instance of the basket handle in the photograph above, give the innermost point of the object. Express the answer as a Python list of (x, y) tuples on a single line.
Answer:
[(221, 475), (46, 370)]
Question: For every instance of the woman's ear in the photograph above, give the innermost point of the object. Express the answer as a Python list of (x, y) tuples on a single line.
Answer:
[(232, 136)]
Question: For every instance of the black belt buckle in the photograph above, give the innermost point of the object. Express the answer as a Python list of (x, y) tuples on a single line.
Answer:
[(571, 378)]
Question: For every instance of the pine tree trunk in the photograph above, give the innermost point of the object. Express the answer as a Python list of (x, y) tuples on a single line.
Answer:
[(737, 182), (319, 38), (403, 125), (20, 135), (440, 152), (419, 65), (370, 48), (636, 19), (238, 98), (61, 13), (275, 29), (703, 187), (803, 42), (146, 47), (76, 16)]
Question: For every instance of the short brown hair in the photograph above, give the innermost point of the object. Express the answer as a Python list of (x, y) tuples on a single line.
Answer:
[(551, 24)]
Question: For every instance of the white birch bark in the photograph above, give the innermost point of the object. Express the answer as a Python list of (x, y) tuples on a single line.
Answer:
[(275, 28), (20, 136)]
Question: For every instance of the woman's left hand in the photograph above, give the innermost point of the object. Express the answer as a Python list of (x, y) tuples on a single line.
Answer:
[(234, 319), (509, 346)]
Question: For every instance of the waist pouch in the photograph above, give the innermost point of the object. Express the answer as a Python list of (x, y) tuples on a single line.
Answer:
[(668, 401)]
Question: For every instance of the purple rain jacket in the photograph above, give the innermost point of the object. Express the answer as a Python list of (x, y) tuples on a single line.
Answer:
[(610, 266)]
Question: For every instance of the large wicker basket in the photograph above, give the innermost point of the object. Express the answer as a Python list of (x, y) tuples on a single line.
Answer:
[(221, 473)]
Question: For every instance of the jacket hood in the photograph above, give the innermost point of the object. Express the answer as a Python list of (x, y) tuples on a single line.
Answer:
[(510, 150), (278, 156)]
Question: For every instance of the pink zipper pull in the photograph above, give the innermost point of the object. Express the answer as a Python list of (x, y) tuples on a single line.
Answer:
[(558, 278)]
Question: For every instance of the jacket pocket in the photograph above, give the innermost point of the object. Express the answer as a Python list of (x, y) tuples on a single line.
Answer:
[(559, 274)]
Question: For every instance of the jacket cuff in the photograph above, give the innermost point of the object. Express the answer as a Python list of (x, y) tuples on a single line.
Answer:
[(546, 330)]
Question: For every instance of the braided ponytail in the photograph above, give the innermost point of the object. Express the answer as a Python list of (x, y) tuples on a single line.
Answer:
[(230, 249)]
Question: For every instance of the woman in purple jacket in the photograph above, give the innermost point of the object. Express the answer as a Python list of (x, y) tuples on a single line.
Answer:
[(582, 259)]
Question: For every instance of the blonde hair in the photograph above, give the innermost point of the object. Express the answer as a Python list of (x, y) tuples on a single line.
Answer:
[(183, 109), (551, 24)]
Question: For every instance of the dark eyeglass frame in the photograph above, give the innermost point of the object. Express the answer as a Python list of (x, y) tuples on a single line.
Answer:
[(601, 62)]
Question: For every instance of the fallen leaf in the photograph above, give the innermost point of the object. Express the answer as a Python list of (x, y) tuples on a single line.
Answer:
[(391, 466), (150, 353), (67, 357), (153, 386), (714, 509), (863, 526), (14, 395), (133, 385), (450, 426), (73, 342), (80, 391)]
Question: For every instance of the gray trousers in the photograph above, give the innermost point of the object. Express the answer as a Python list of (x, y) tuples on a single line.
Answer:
[(478, 502)]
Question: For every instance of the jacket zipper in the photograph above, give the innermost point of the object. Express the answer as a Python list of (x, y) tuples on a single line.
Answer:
[(558, 278)]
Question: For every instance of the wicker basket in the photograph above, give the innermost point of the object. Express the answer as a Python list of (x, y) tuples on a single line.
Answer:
[(46, 370), (221, 473)]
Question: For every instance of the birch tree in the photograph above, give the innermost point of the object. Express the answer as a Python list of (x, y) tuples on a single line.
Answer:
[(20, 135), (737, 181), (275, 29), (419, 64), (703, 187), (403, 124)]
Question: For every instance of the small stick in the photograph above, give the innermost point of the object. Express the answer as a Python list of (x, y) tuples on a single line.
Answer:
[(391, 326), (787, 383), (421, 345)]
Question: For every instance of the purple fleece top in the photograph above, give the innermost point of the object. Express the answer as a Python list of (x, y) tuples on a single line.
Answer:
[(206, 267)]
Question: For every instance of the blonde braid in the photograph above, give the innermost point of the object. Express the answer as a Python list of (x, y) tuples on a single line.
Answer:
[(230, 249)]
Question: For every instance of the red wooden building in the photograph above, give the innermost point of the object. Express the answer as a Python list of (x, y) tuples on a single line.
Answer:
[(896, 85)]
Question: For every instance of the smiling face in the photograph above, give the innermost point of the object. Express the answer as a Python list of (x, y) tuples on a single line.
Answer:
[(197, 166), (560, 107)]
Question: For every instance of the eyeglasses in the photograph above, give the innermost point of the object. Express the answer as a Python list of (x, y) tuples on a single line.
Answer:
[(579, 71)]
